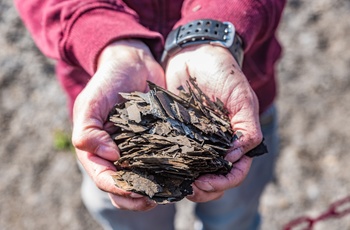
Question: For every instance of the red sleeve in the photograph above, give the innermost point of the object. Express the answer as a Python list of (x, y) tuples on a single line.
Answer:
[(76, 31), (254, 20)]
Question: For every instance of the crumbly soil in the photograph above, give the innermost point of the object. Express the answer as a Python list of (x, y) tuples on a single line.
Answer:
[(40, 185)]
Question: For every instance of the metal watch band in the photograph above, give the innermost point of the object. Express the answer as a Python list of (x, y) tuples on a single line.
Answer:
[(204, 31)]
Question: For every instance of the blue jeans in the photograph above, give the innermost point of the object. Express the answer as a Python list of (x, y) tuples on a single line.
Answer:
[(237, 209)]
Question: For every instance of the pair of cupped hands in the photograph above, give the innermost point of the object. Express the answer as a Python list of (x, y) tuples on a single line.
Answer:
[(125, 66)]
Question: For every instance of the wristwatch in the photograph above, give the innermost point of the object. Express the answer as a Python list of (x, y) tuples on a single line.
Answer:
[(204, 31)]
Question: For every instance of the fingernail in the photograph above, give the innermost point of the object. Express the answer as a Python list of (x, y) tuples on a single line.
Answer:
[(107, 153), (234, 155), (204, 185), (135, 195)]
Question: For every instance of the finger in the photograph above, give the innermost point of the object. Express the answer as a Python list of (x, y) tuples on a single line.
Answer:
[(248, 137), (234, 178), (109, 127), (88, 130), (245, 121), (237, 174), (199, 195), (94, 140), (100, 171), (234, 154), (132, 204)]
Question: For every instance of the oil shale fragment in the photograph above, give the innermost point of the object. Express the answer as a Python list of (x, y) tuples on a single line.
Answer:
[(167, 141)]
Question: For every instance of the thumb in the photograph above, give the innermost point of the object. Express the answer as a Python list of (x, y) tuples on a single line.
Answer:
[(96, 141), (89, 134)]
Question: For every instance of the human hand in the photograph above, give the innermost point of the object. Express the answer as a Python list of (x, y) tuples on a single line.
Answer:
[(123, 66), (219, 76)]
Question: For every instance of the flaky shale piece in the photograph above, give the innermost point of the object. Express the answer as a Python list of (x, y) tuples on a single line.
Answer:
[(167, 141)]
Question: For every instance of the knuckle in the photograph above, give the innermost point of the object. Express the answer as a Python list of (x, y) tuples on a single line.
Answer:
[(79, 141)]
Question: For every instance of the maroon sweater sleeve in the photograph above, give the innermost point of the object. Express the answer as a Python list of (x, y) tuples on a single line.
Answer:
[(254, 20), (76, 31)]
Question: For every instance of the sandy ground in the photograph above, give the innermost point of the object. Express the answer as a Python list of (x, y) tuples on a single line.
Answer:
[(39, 184)]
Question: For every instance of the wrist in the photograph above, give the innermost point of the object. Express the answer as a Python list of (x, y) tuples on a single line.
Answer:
[(204, 56), (125, 49)]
